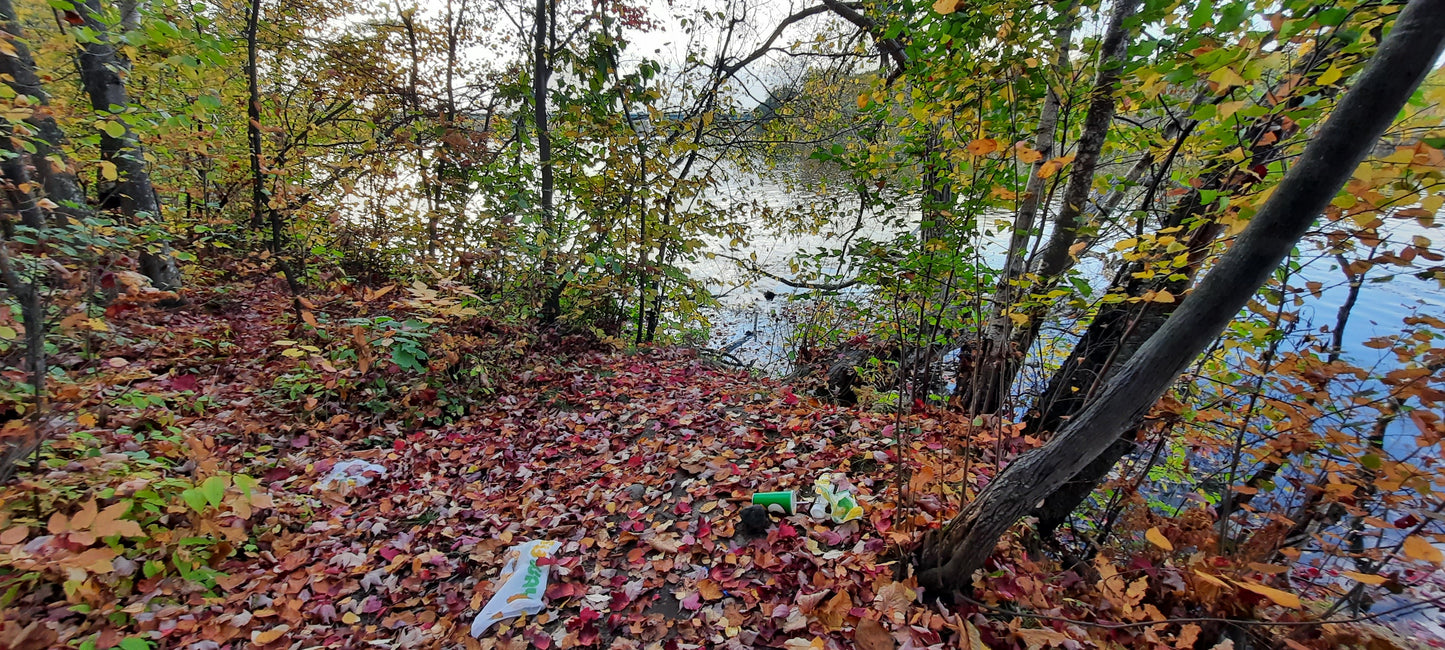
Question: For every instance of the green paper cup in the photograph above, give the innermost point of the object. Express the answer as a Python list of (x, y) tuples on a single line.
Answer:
[(783, 500)]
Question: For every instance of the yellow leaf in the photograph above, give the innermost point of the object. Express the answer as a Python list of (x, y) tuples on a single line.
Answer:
[(1417, 548), (945, 6), (1282, 598), (86, 419), (1226, 78), (1367, 578), (1158, 539), (971, 639), (862, 101), (1330, 76), (350, 618), (1227, 109), (1163, 295), (107, 170), (262, 638), (1211, 579)]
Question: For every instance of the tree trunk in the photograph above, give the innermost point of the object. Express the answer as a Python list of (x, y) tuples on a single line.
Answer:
[(994, 353), (541, 75), (101, 67), (16, 172), (259, 202), (51, 167), (949, 556), (1054, 260)]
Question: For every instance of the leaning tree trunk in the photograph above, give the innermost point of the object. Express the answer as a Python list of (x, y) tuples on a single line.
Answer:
[(947, 559), (101, 67), (1118, 330), (996, 372)]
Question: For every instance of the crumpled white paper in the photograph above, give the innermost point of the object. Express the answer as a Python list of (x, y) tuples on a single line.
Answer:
[(349, 474), (523, 584)]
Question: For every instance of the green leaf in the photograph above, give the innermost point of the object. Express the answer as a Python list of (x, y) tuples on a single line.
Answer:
[(215, 489), (113, 128), (195, 499), (134, 643), (153, 568), (1201, 15)]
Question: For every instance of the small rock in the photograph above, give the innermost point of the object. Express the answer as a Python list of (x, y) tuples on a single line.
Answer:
[(635, 492)]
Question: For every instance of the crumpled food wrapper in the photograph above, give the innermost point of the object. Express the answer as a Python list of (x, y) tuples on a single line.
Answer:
[(523, 583), (349, 474), (833, 502)]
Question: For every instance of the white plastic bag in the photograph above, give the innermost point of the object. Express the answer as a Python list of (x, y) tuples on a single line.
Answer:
[(523, 584), (349, 474)]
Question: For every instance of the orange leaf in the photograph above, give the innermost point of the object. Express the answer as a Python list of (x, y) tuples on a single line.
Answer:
[(310, 318), (946, 6), (710, 589), (1417, 548), (14, 535), (981, 147), (835, 611), (109, 522), (1283, 598), (1158, 539), (83, 519)]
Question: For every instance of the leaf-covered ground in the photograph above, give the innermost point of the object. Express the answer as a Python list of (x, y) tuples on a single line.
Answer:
[(178, 504)]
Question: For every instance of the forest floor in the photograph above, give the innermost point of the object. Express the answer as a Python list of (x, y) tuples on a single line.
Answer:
[(181, 502)]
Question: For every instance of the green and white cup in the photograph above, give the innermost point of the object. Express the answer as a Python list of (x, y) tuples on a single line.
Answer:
[(786, 501)]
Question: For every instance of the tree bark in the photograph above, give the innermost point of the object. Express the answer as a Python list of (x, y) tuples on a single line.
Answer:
[(949, 556), (101, 67)]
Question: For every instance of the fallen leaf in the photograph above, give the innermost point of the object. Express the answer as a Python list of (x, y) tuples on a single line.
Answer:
[(832, 613), (871, 635), (1041, 637), (262, 638), (14, 535), (710, 589)]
